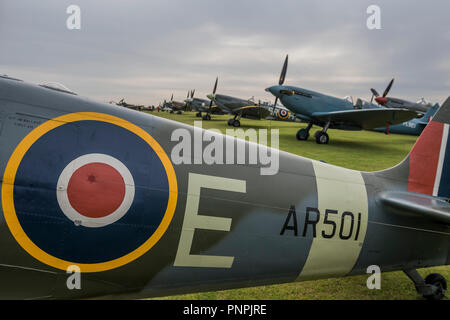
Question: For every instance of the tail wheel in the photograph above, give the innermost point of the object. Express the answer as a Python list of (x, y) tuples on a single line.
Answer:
[(440, 284)]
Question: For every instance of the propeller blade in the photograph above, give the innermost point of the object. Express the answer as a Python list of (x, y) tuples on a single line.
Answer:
[(171, 98), (274, 105), (215, 85), (210, 106), (374, 92), (192, 94), (214, 92), (388, 88), (371, 99), (283, 71)]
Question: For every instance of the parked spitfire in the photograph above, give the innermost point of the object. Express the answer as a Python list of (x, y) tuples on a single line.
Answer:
[(201, 105), (330, 112), (390, 102), (235, 106), (122, 103), (90, 188), (175, 105)]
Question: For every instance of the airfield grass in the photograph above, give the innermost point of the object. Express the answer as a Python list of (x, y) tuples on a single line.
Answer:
[(359, 150)]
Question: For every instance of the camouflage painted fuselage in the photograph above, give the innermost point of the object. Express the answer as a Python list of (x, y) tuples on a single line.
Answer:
[(190, 227)]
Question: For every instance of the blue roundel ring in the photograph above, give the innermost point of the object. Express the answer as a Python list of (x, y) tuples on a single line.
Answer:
[(88, 189), (283, 114)]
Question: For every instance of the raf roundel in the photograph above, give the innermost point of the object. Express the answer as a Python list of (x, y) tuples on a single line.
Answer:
[(283, 114), (95, 190), (88, 189)]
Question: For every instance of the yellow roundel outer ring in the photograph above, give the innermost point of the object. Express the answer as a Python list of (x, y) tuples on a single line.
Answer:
[(8, 191), (281, 117)]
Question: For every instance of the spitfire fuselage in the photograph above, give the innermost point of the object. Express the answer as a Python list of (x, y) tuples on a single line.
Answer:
[(400, 103), (229, 104), (187, 227), (305, 102), (201, 105)]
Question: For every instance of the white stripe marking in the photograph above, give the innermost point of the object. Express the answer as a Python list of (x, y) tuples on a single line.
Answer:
[(437, 180), (342, 190)]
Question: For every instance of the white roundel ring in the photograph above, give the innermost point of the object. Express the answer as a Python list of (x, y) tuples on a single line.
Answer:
[(95, 190)]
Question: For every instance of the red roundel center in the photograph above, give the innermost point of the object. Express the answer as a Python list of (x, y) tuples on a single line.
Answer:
[(96, 190)]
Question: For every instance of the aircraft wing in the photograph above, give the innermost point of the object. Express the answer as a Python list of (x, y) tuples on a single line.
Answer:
[(366, 118), (417, 204), (253, 112)]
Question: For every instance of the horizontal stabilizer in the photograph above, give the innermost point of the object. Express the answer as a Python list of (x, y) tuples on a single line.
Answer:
[(417, 204)]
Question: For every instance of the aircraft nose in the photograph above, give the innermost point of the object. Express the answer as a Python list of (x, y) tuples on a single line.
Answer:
[(381, 100), (211, 96), (274, 90)]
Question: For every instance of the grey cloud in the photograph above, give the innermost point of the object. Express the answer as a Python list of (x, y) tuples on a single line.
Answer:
[(145, 50)]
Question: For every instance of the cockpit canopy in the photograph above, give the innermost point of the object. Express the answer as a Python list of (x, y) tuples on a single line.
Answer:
[(423, 101), (349, 99), (57, 87)]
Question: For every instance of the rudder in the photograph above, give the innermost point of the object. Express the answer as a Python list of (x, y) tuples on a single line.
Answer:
[(429, 159)]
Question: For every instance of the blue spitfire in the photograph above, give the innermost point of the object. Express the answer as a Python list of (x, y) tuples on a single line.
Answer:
[(331, 112)]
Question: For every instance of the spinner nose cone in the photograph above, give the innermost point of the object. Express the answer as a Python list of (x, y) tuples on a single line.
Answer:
[(381, 100), (211, 96), (275, 90)]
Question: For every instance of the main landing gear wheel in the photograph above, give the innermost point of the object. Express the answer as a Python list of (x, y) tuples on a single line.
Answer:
[(206, 117), (321, 137), (439, 283), (230, 122), (198, 114), (179, 112), (302, 134), (236, 123)]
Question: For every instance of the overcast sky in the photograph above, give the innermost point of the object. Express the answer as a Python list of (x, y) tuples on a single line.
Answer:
[(145, 50)]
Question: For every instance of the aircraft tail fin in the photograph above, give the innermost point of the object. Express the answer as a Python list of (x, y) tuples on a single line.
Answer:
[(429, 159), (430, 113)]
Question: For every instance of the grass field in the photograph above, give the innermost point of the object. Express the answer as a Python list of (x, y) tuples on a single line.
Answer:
[(359, 150)]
